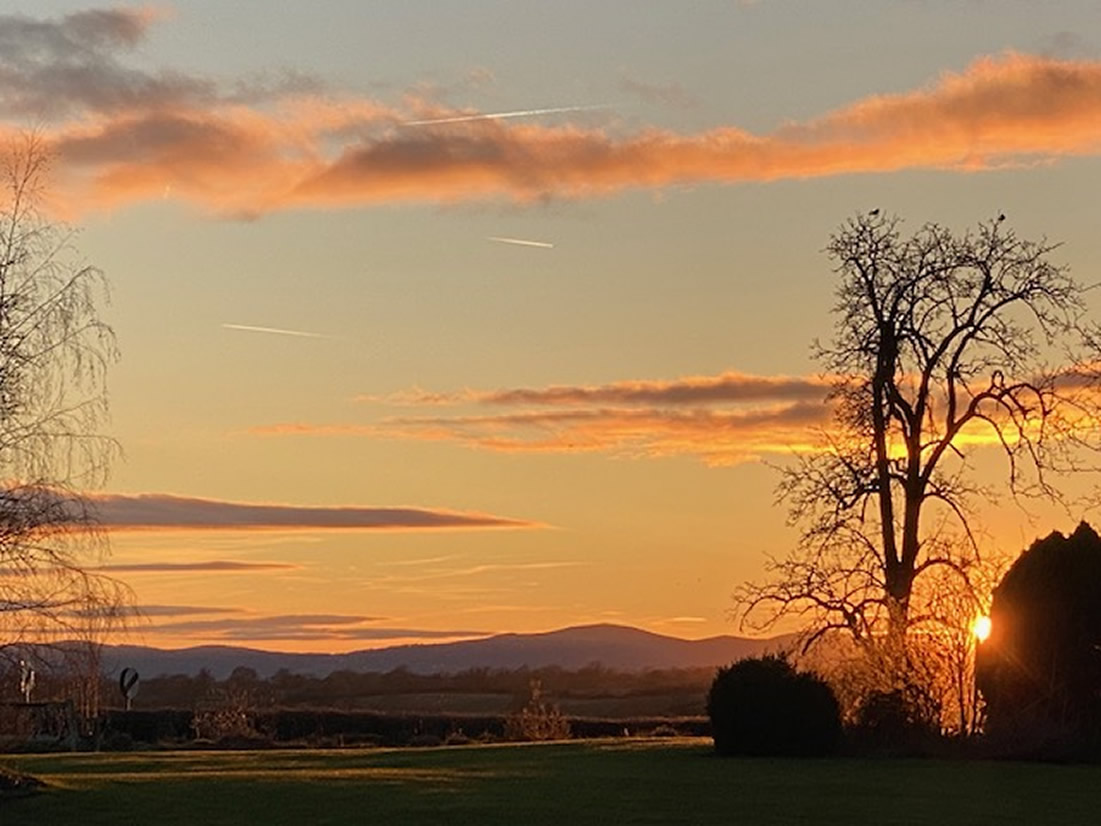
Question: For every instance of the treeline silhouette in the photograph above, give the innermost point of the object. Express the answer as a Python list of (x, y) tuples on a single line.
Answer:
[(399, 707)]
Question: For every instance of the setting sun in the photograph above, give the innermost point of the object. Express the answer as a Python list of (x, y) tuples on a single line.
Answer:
[(981, 628)]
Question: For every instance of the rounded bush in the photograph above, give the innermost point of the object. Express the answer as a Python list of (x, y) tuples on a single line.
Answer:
[(762, 706)]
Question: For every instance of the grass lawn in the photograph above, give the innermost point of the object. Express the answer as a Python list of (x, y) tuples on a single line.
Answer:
[(607, 782)]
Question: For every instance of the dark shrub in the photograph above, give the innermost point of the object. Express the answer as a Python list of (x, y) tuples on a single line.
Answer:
[(763, 706), (117, 741), (152, 726), (894, 722)]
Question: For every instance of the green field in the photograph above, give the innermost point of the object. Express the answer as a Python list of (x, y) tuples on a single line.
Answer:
[(605, 782)]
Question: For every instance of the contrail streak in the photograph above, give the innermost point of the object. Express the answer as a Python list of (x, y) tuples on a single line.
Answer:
[(523, 113), (547, 245), (248, 328)]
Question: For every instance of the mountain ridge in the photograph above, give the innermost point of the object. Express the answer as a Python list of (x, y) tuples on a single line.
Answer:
[(619, 647)]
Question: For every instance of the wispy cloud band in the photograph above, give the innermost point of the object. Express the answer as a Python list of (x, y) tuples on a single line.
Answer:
[(301, 627), (158, 511), (212, 566)]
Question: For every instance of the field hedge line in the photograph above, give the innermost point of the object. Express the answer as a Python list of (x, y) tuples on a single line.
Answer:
[(328, 727)]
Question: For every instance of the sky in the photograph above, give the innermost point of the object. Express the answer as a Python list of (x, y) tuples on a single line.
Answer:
[(441, 319)]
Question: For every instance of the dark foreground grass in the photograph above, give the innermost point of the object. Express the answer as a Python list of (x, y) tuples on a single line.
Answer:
[(605, 782)]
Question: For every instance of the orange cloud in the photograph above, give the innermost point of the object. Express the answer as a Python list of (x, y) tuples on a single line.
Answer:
[(124, 134), (722, 419), (1008, 109), (717, 437), (730, 386)]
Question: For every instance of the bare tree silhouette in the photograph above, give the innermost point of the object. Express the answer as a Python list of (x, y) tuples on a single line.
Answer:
[(54, 354), (943, 340)]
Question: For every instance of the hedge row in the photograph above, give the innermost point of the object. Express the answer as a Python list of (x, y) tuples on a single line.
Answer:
[(299, 726)]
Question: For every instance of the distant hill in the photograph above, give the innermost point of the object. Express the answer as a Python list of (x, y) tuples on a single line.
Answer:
[(613, 646)]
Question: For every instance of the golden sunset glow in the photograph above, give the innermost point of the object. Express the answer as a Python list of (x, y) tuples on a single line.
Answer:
[(427, 333)]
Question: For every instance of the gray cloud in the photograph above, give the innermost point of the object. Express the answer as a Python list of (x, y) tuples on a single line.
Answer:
[(616, 422), (300, 627), (180, 610), (215, 566), (729, 386), (725, 387), (168, 512), (1066, 45), (410, 633), (56, 68), (71, 65), (270, 624), (666, 94), (150, 611)]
